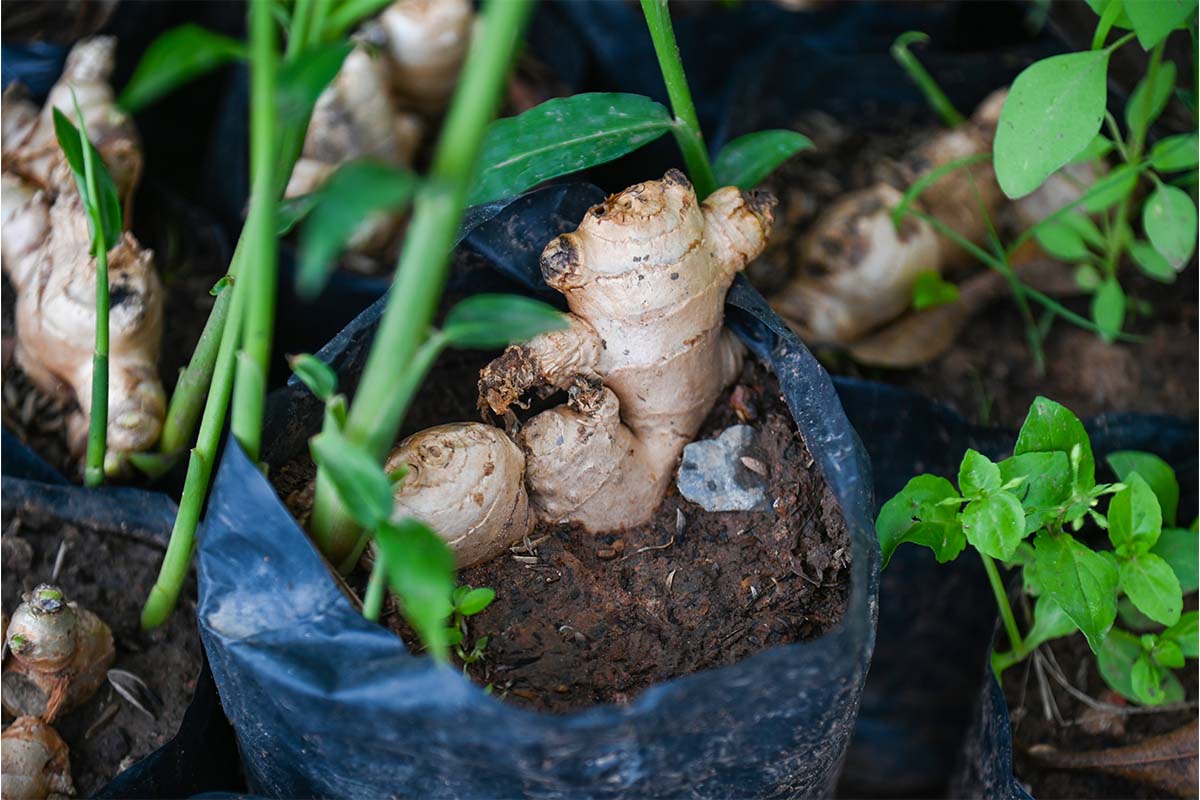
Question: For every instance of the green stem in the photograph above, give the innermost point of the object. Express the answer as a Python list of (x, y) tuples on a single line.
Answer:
[(1006, 613), (373, 600), (1111, 11), (375, 417), (260, 276), (98, 423), (920, 76), (687, 124), (174, 568)]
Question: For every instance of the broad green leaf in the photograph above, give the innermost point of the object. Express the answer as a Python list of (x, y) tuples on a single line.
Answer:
[(1081, 581), (1116, 660), (994, 525), (977, 474), (1099, 147), (178, 56), (360, 482), (1152, 587), (108, 204), (1169, 219), (302, 79), (1152, 20), (1185, 633), (486, 321), (1108, 309), (1151, 262), (1049, 622), (1053, 111), (476, 600), (1176, 153), (354, 192), (1111, 189), (1148, 681), (1132, 618), (1060, 239), (420, 569), (930, 290), (1087, 277), (914, 515), (1167, 653), (1180, 548), (1148, 101), (314, 373), (748, 159), (563, 136), (1134, 517), (1051, 427), (1047, 487), (1157, 474)]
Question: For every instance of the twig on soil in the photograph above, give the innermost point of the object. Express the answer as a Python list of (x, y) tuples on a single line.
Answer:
[(103, 719), (59, 559), (1049, 707), (1055, 672)]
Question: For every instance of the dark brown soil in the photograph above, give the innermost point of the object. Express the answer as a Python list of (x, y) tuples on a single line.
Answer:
[(1078, 727), (581, 619), (110, 575), (191, 255)]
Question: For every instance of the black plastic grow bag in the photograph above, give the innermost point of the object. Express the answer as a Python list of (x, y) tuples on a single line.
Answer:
[(931, 687), (326, 703)]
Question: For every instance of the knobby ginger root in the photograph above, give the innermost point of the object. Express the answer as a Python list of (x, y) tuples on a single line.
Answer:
[(643, 360), (60, 648), (36, 762)]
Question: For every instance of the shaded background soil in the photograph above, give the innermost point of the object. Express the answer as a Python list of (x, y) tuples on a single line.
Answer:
[(110, 575)]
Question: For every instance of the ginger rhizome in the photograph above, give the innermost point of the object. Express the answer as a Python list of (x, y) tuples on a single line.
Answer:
[(36, 762), (642, 361), (46, 253), (59, 654)]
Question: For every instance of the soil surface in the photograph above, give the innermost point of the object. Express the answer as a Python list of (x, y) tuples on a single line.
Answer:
[(191, 254), (1075, 726), (110, 575), (581, 619)]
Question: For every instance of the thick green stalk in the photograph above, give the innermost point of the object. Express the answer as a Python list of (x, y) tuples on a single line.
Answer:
[(687, 124), (260, 273), (98, 424), (920, 76), (421, 273), (174, 568), (373, 600)]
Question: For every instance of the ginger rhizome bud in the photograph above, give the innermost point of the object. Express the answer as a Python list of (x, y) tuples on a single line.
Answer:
[(46, 246), (643, 359), (36, 762), (59, 655)]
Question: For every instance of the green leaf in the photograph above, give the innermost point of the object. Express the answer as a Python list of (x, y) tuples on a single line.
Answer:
[(915, 515), (1108, 309), (1117, 659), (1134, 517), (355, 191), (1185, 633), (1132, 618), (977, 475), (1049, 622), (1147, 680), (1047, 487), (1122, 20), (1053, 111), (174, 58), (747, 160), (487, 321), (420, 570), (1176, 153), (1081, 581), (1152, 20), (930, 291), (1061, 239), (1152, 587), (291, 210), (314, 373), (1169, 219), (1157, 474), (1087, 277), (1180, 548), (476, 600), (1147, 102), (1099, 147), (562, 136), (1151, 262), (994, 525), (107, 206), (1051, 427), (360, 482), (1167, 653), (1111, 189), (302, 79)]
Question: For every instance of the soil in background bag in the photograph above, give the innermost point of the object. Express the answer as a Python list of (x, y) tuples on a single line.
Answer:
[(311, 721)]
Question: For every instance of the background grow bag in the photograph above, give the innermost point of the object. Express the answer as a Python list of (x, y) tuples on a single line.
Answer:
[(326, 703), (931, 687)]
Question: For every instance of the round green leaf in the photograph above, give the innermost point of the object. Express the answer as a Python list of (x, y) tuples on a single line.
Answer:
[(1134, 517), (476, 600), (1053, 111), (1152, 20), (1151, 262), (1108, 309), (995, 525), (1176, 153), (977, 474), (916, 515), (1152, 587), (747, 160), (1169, 219), (486, 321), (1051, 427)]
